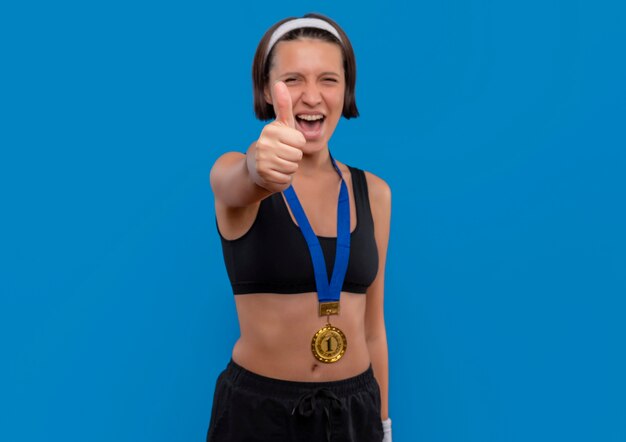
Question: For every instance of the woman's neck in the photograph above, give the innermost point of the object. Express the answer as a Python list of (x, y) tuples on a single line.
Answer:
[(314, 164)]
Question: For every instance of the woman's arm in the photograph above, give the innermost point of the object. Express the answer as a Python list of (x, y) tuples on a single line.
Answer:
[(232, 183), (237, 196), (239, 182), (380, 202)]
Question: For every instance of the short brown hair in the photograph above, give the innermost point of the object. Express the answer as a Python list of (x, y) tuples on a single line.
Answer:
[(261, 65)]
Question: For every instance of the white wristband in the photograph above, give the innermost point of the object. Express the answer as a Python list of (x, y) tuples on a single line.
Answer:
[(387, 430)]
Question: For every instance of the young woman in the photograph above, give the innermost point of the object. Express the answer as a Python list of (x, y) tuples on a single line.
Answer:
[(304, 239)]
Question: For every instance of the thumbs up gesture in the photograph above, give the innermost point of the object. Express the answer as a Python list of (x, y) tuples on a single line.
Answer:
[(273, 159)]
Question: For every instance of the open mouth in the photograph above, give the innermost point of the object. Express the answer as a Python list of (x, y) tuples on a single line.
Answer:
[(310, 124)]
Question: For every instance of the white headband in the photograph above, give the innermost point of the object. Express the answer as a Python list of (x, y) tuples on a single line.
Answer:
[(300, 23)]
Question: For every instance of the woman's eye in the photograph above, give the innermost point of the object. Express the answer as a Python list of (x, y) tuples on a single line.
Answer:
[(333, 80), (290, 80)]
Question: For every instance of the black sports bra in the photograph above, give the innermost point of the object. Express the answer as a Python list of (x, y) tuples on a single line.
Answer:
[(273, 257)]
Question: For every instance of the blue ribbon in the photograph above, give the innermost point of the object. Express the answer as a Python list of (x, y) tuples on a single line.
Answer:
[(326, 291)]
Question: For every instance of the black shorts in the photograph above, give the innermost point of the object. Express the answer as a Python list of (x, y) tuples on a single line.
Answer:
[(248, 407)]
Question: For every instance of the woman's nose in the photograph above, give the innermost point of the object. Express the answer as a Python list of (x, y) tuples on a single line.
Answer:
[(311, 95)]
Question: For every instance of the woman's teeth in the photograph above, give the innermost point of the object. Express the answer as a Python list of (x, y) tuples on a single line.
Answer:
[(310, 117)]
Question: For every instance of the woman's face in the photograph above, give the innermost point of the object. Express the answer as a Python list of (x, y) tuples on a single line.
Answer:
[(313, 72)]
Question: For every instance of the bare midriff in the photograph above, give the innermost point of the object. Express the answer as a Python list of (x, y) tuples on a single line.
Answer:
[(276, 332)]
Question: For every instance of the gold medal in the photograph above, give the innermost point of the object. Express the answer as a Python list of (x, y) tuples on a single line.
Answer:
[(329, 344)]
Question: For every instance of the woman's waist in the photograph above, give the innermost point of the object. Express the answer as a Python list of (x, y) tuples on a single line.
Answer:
[(291, 389), (290, 356)]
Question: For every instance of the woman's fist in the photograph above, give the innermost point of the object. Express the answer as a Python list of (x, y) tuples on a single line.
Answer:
[(274, 158)]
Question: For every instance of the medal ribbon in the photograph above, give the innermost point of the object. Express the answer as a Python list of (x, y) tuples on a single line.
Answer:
[(326, 291)]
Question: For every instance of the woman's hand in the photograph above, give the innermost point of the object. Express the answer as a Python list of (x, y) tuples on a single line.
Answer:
[(273, 159)]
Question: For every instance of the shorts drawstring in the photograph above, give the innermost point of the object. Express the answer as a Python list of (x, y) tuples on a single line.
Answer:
[(307, 404)]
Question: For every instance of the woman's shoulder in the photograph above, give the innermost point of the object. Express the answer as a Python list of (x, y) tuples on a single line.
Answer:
[(378, 189), (379, 196)]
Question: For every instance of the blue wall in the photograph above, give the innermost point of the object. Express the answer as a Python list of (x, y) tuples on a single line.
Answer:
[(498, 125)]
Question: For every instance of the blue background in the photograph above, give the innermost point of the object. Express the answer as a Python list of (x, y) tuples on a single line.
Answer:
[(498, 125)]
